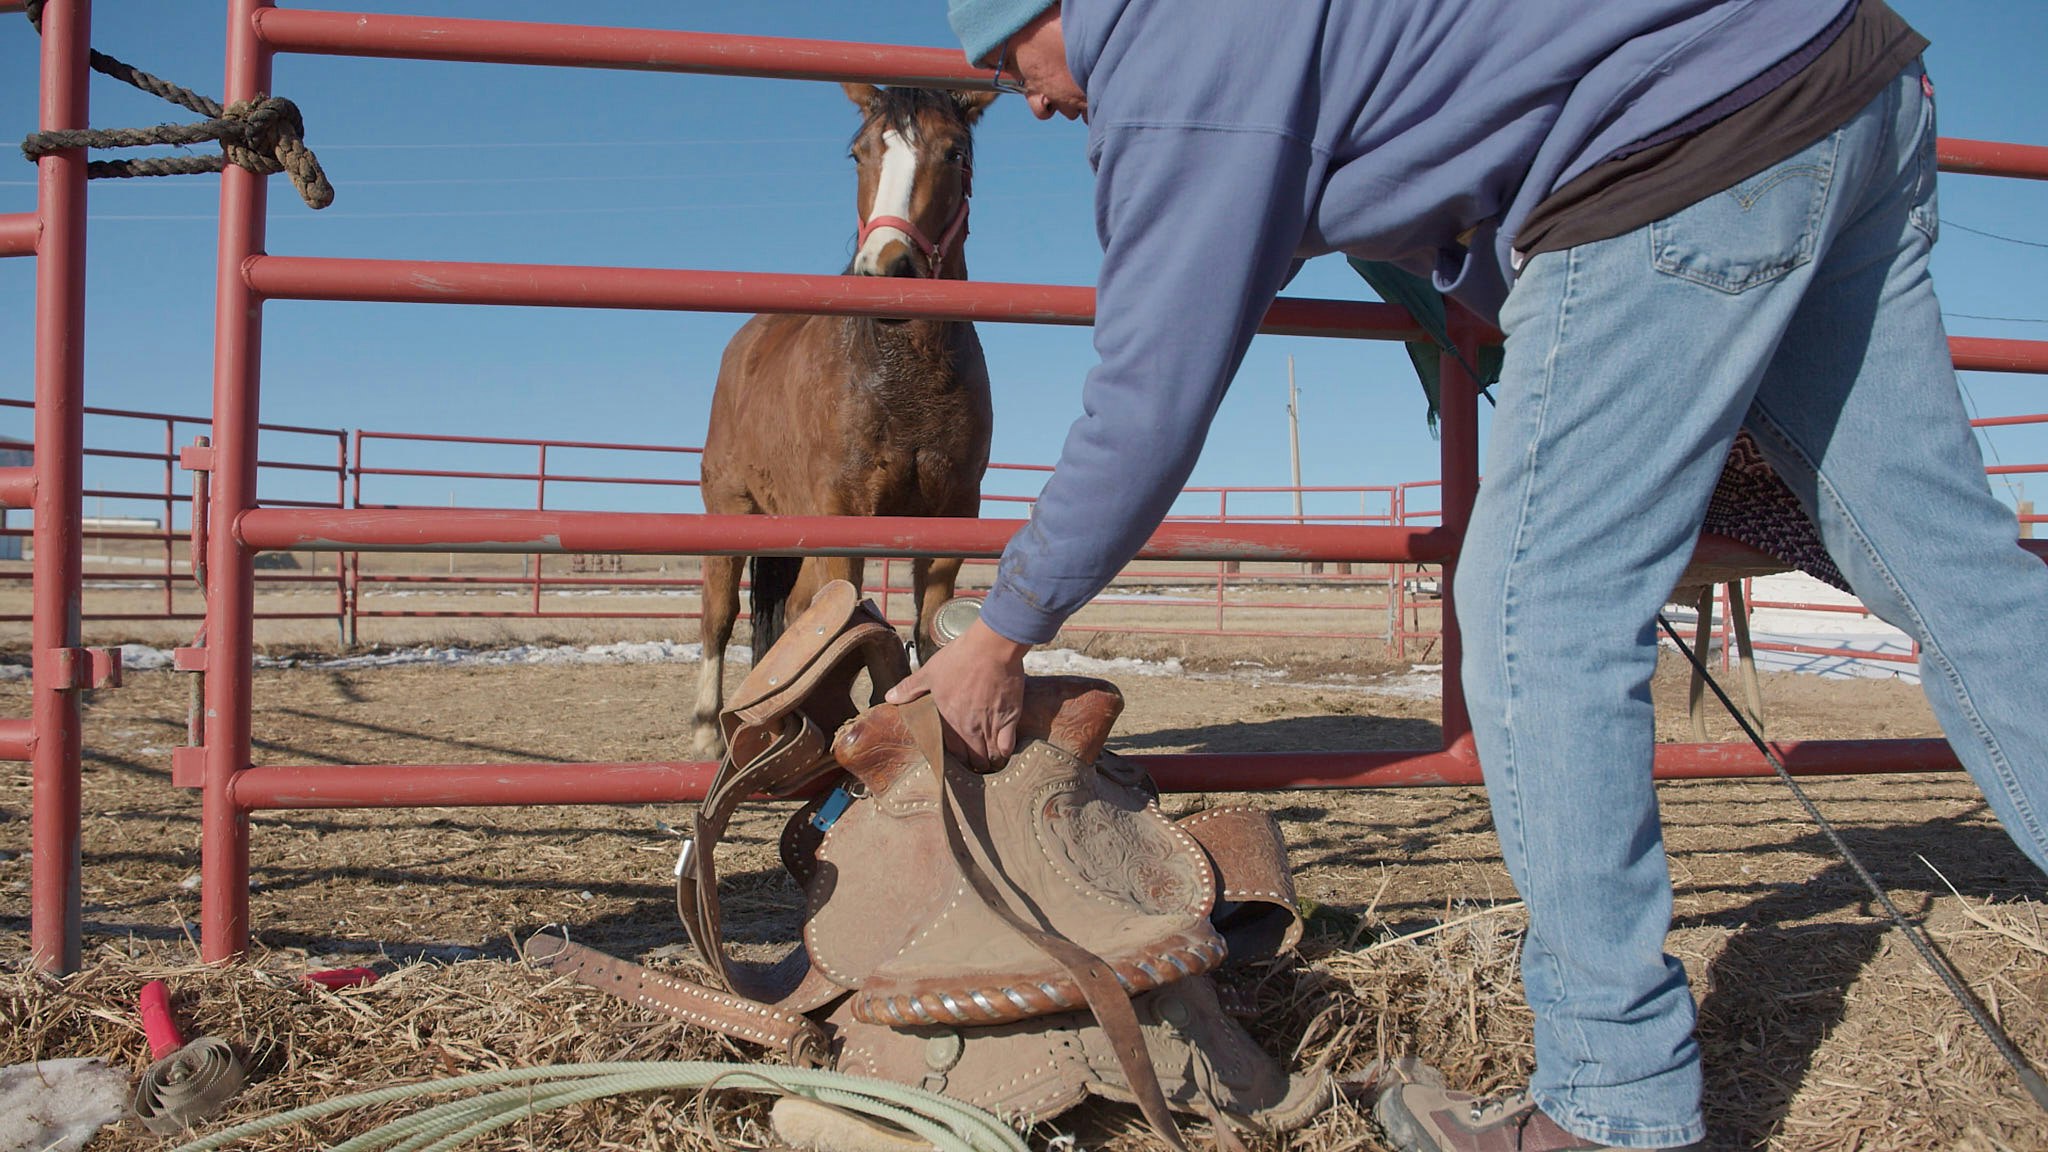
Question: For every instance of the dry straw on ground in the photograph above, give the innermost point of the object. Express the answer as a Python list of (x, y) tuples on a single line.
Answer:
[(1819, 1029), (1355, 995)]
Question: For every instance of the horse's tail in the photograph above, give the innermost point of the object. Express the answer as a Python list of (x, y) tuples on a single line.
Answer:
[(773, 579)]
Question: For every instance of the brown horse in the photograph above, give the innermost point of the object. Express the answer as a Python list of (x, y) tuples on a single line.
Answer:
[(836, 416)]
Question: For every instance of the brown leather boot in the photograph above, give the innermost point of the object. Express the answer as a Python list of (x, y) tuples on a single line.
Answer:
[(1420, 1116)]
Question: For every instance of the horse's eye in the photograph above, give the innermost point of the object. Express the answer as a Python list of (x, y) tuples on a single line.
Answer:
[(956, 155)]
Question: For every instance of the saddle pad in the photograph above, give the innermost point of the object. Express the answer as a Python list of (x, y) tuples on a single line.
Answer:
[(1752, 504)]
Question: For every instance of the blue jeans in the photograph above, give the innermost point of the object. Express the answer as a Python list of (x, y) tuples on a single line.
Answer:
[(1797, 305)]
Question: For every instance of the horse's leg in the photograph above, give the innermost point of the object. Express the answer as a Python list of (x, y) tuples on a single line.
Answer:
[(822, 570), (721, 606), (932, 579)]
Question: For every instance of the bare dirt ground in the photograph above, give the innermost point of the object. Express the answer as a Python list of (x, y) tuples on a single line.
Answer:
[(1820, 1028)]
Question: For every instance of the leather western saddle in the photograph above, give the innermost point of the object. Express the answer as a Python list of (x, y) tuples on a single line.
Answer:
[(1018, 939)]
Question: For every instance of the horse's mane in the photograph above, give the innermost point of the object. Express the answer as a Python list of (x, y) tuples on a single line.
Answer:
[(899, 108)]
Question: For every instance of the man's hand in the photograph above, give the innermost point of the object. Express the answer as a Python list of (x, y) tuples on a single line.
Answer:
[(978, 683)]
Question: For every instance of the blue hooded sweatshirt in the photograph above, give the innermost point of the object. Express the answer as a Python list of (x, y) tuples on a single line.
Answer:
[(1233, 138)]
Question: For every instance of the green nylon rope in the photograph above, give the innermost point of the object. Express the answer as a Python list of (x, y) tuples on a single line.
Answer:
[(950, 1125)]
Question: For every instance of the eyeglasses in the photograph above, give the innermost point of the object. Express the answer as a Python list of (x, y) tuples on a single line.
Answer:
[(1004, 83)]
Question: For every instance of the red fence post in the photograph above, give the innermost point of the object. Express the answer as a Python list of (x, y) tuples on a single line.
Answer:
[(343, 625), (540, 501), (352, 584), (170, 536), (230, 611), (1458, 405), (54, 929)]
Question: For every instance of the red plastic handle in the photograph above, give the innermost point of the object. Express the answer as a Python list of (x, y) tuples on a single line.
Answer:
[(338, 978), (164, 1037)]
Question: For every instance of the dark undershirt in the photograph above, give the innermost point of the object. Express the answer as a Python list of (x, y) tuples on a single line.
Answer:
[(1796, 102)]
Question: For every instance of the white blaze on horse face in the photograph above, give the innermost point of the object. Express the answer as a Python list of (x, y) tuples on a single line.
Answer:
[(893, 190)]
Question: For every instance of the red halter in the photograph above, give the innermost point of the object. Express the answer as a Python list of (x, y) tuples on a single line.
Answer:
[(955, 228)]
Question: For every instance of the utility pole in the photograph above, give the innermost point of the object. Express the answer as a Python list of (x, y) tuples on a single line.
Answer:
[(1294, 437), (1294, 449)]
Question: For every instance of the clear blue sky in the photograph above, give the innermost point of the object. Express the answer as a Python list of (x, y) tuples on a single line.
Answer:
[(475, 162)]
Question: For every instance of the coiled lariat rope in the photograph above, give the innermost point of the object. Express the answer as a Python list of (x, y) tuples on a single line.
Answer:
[(1936, 960), (949, 1125), (265, 135)]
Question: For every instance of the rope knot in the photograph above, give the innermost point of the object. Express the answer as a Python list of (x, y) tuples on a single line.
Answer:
[(266, 136)]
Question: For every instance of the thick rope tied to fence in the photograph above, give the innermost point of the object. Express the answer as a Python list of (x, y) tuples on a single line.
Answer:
[(266, 135)]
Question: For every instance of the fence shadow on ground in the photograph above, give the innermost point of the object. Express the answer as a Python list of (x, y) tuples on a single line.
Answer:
[(1329, 733)]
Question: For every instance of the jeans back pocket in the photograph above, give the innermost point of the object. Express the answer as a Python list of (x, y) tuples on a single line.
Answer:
[(1755, 232)]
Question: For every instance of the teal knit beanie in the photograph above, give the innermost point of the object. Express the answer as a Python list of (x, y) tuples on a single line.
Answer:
[(983, 25)]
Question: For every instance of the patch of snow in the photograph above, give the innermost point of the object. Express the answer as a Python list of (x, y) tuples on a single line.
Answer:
[(1150, 598), (1418, 683), (59, 1105), (142, 656), (624, 652), (1066, 662), (1852, 636)]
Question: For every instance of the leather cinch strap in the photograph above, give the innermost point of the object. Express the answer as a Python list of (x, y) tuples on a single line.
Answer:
[(697, 875), (1106, 997), (800, 1040)]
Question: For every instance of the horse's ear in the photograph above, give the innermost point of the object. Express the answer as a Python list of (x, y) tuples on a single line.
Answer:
[(971, 103), (863, 95)]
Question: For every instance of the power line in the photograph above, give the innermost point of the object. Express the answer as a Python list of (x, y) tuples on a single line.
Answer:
[(1993, 235), (1984, 434), (2000, 319)]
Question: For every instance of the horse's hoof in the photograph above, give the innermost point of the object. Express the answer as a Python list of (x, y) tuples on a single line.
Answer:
[(708, 748)]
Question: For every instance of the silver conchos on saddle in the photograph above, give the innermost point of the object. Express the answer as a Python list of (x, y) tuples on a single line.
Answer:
[(1018, 939)]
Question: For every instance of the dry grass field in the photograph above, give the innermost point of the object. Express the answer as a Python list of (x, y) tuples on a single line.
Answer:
[(1820, 1028)]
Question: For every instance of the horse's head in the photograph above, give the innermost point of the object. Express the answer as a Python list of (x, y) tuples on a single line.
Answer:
[(915, 150)]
